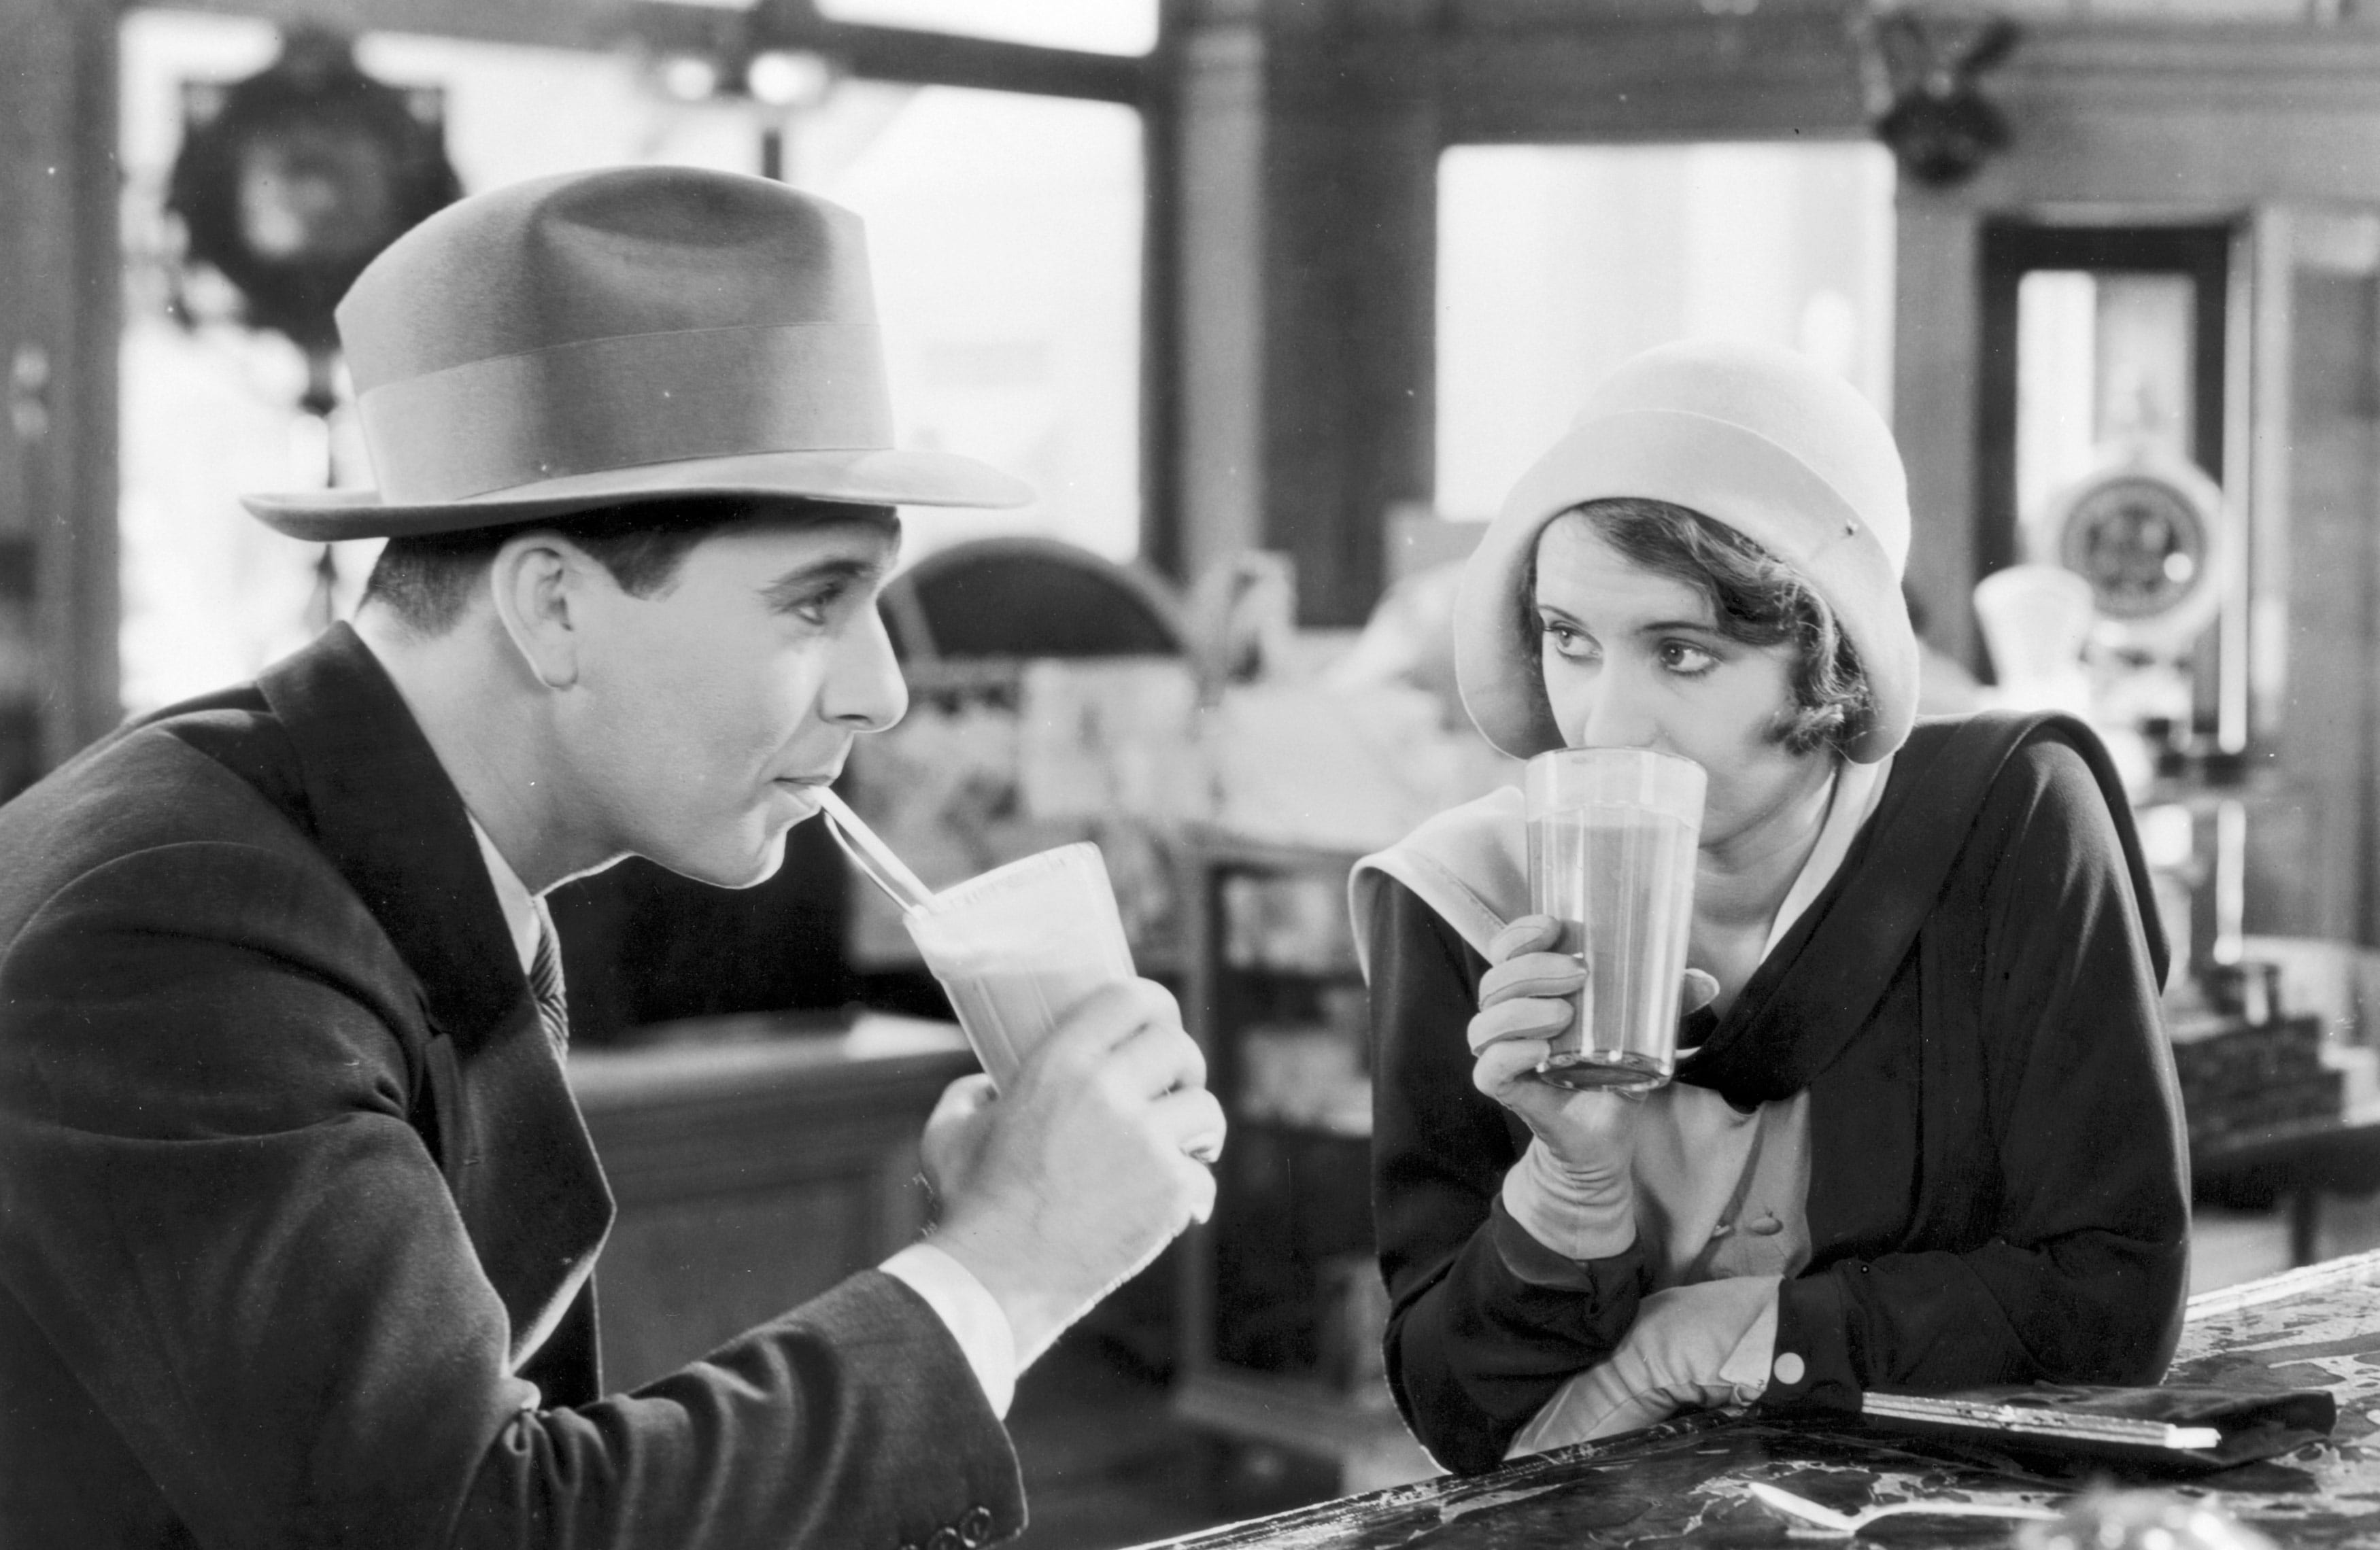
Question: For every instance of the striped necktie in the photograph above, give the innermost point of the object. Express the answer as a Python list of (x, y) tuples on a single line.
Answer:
[(545, 982)]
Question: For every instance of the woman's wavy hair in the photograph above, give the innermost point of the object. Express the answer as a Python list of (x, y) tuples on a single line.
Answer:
[(1757, 599)]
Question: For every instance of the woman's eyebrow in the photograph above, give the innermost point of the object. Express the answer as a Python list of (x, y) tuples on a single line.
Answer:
[(1663, 626)]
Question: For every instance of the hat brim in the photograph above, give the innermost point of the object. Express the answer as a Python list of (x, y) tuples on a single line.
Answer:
[(1727, 473), (883, 478)]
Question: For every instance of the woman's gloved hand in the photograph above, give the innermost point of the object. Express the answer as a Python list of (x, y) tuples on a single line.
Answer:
[(1571, 1189), (1527, 999), (1692, 1347)]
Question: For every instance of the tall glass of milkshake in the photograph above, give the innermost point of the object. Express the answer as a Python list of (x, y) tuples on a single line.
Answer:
[(1612, 856), (1021, 947)]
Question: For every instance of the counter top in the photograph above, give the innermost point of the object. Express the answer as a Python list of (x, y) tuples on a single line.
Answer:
[(722, 1104), (706, 1057), (756, 1161), (1684, 1481)]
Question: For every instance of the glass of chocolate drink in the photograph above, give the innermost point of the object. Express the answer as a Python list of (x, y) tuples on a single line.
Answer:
[(1612, 856)]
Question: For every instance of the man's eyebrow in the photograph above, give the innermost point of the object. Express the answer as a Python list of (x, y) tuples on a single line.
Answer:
[(788, 589)]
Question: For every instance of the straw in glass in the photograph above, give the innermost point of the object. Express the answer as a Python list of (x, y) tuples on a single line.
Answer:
[(873, 856)]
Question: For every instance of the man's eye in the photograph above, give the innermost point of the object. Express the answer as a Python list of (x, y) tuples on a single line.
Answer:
[(813, 608)]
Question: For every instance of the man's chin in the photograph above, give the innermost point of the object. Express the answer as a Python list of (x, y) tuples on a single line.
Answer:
[(732, 870)]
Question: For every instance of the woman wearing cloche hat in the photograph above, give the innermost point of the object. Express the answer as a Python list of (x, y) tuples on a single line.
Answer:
[(1923, 1133)]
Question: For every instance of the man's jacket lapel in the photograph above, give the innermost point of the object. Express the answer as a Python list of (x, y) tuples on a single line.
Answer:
[(507, 1133)]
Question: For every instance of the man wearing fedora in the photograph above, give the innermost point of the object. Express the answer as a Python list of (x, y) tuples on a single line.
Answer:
[(297, 1215)]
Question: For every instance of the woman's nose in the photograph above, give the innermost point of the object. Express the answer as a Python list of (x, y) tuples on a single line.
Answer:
[(1619, 716), (864, 688)]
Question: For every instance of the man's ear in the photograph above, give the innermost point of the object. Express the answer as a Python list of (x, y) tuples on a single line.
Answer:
[(536, 579)]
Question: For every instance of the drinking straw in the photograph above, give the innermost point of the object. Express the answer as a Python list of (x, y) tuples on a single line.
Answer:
[(873, 856)]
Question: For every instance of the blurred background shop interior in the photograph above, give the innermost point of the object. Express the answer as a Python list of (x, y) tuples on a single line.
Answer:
[(1270, 300)]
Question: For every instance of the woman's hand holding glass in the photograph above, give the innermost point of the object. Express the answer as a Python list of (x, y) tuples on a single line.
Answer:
[(1572, 1188), (1528, 996)]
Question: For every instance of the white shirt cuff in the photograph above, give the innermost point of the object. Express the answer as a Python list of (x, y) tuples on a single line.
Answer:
[(970, 1311), (1745, 1373)]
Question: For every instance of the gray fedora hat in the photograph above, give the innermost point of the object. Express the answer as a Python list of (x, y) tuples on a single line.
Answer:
[(624, 335)]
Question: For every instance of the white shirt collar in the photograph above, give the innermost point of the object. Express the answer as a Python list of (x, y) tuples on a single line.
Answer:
[(524, 911), (1858, 788)]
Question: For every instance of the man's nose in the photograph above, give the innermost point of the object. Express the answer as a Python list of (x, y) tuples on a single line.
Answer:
[(865, 690)]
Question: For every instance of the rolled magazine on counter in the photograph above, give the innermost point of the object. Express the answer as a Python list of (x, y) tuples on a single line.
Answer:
[(2177, 1428)]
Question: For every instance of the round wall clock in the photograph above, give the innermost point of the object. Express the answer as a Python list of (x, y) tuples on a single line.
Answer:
[(2147, 531)]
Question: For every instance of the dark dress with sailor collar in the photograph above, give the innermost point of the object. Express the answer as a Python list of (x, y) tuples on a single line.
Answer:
[(1998, 1186)]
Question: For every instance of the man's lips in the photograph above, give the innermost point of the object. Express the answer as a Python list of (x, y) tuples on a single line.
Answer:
[(806, 787)]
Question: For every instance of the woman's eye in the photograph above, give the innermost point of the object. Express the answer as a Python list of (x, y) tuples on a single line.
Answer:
[(1568, 640), (1685, 658)]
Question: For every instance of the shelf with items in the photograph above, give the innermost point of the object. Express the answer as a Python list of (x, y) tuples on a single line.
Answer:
[(1280, 1305)]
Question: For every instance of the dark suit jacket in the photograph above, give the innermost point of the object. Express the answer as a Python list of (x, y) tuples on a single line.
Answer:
[(297, 1213)]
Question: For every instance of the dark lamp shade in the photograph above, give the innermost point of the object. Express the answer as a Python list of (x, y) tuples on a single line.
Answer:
[(291, 181)]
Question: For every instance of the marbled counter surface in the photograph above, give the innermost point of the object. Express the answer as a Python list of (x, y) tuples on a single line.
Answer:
[(1682, 1482)]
